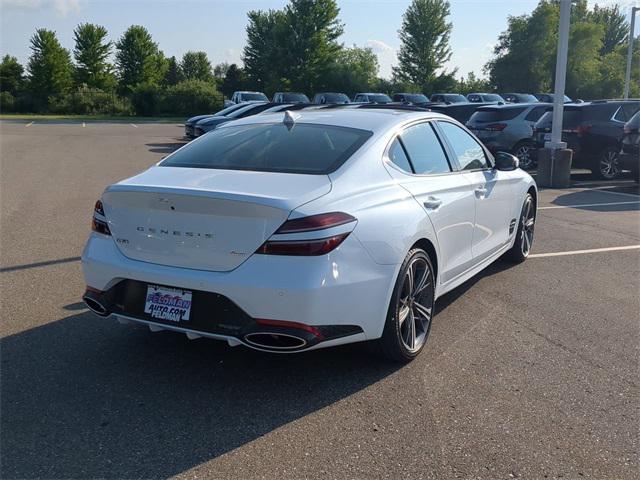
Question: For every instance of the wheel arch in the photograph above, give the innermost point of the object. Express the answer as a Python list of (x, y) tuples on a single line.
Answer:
[(428, 247)]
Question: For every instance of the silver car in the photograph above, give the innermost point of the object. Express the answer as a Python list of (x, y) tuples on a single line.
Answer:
[(508, 128)]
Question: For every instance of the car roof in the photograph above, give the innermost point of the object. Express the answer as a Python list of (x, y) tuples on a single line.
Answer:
[(375, 120), (508, 106)]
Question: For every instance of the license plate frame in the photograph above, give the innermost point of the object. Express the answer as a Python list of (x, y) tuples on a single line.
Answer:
[(168, 304)]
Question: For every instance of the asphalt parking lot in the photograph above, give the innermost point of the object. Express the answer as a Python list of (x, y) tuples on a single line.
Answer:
[(531, 371)]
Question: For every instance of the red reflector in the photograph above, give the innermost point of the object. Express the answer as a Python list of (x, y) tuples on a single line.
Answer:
[(286, 324), (315, 222), (496, 127), (100, 226), (314, 247)]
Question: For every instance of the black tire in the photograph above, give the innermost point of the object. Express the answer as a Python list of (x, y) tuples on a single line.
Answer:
[(605, 165), (523, 243), (396, 336), (523, 150)]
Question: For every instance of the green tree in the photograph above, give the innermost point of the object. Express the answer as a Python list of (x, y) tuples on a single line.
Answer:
[(616, 29), (196, 66), (424, 37), (309, 41), (138, 59), (583, 65), (11, 75), (472, 84), (354, 70), (263, 55), (220, 70), (91, 53), (234, 79), (173, 76), (49, 67)]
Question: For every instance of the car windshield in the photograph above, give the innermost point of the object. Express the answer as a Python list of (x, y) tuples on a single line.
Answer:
[(336, 98), (454, 98), (253, 96), (416, 98), (526, 98), (492, 97), (248, 109), (295, 97), (303, 148), (228, 110), (379, 98)]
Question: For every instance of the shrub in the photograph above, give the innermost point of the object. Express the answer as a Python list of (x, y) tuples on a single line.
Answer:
[(7, 102), (191, 97), (86, 101), (147, 99)]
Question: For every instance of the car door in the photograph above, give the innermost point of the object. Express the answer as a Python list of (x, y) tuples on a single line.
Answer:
[(418, 160), (493, 190)]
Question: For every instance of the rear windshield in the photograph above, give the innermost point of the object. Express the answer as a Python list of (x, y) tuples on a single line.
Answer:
[(496, 114), (416, 98), (336, 98), (253, 96), (492, 97), (304, 148), (379, 98), (454, 98), (570, 118), (295, 97)]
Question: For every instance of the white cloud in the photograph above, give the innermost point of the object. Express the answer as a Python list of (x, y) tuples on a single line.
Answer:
[(386, 56), (61, 7)]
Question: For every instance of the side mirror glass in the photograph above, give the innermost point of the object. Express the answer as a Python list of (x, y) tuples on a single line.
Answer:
[(506, 162)]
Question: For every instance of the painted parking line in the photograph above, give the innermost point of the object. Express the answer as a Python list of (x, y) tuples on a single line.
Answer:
[(84, 124), (29, 124), (589, 205), (581, 252), (133, 125)]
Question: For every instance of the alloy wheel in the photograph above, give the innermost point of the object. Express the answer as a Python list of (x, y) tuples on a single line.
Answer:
[(415, 304), (528, 224), (609, 167), (523, 152)]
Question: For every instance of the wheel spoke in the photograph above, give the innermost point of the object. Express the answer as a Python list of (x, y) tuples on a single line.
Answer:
[(423, 283), (529, 223), (411, 343), (424, 312), (403, 314)]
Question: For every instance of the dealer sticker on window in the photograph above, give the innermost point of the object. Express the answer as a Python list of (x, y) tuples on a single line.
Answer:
[(165, 303)]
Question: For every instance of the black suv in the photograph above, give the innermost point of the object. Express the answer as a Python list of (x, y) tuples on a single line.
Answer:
[(593, 131), (630, 151)]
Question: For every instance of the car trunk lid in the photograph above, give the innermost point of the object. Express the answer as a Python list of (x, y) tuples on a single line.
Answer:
[(203, 219)]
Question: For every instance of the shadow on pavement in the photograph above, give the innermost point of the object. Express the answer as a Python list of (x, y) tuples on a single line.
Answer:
[(165, 148), (585, 200), (85, 397)]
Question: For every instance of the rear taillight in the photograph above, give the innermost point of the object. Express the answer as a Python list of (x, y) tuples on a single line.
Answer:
[(99, 222), (496, 127), (628, 129), (308, 246), (580, 129)]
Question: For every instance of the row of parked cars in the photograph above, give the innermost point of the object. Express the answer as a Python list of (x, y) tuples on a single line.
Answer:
[(603, 134), (372, 97)]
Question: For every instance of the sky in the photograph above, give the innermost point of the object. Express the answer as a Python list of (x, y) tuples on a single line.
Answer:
[(218, 26)]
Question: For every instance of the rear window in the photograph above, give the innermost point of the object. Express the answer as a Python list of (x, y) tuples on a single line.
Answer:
[(336, 98), (379, 98), (496, 114), (492, 97), (295, 97), (535, 113), (305, 148), (571, 118), (253, 96)]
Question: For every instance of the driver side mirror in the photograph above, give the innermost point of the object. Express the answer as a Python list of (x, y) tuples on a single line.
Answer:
[(506, 162)]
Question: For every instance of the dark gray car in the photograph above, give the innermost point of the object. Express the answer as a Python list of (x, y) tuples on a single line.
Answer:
[(189, 125), (508, 128), (208, 124)]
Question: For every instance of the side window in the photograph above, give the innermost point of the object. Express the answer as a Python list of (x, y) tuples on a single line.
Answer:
[(621, 115), (535, 114), (468, 151), (424, 149), (628, 110), (399, 157)]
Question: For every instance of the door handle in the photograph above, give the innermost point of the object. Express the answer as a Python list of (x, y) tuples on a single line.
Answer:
[(432, 203)]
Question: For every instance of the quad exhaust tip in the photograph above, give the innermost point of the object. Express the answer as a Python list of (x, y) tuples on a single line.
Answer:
[(274, 341)]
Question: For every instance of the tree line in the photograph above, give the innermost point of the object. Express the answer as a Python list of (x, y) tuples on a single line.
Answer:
[(298, 48)]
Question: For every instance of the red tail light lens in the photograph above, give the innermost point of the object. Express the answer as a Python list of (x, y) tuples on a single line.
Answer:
[(583, 129), (310, 248), (286, 324), (496, 127), (315, 222), (97, 224)]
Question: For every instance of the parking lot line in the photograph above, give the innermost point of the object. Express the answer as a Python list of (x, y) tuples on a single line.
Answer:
[(133, 125), (580, 252), (84, 124), (29, 124), (588, 205)]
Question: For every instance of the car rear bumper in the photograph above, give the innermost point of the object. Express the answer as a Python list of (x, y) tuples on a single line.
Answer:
[(629, 161), (344, 295)]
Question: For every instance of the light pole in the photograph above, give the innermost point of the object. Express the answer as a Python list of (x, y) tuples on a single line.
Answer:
[(627, 78)]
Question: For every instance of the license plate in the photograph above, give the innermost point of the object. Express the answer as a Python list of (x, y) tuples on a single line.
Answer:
[(547, 137), (165, 303)]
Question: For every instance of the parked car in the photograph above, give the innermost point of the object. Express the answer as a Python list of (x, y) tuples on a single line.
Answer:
[(508, 128), (330, 98), (288, 233), (593, 131), (413, 98), (208, 124), (371, 98), (189, 125), (519, 97), (485, 98), (630, 150), (448, 98), (281, 107), (548, 97), (460, 111), (246, 96), (290, 97)]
